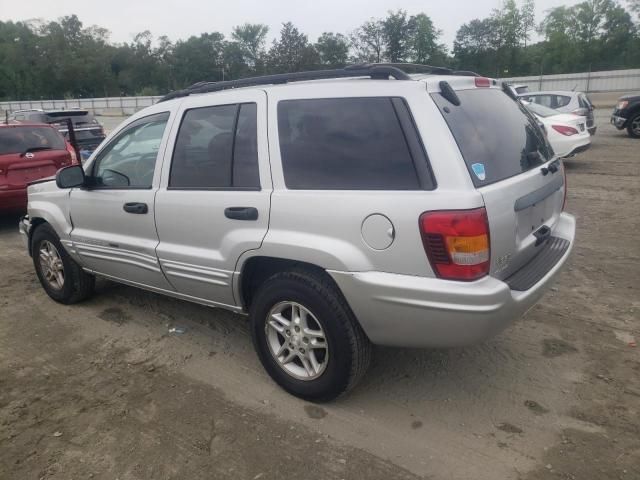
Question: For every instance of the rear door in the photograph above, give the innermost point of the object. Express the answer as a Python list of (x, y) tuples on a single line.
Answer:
[(214, 201), (29, 153), (505, 152)]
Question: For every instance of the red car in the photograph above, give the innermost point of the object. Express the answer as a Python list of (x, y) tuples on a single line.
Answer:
[(29, 152)]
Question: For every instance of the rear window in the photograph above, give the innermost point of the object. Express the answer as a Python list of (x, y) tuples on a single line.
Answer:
[(497, 137), (346, 144), (24, 139)]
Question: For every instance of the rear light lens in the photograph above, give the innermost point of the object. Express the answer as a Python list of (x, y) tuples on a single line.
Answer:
[(483, 82), (72, 152), (457, 243), (565, 130), (564, 199)]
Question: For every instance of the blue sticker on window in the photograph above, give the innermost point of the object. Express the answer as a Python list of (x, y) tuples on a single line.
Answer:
[(478, 169)]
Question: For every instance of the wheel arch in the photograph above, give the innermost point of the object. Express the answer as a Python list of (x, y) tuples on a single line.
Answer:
[(256, 269)]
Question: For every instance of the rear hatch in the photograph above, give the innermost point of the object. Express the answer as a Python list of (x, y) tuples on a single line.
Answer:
[(507, 156), (29, 153)]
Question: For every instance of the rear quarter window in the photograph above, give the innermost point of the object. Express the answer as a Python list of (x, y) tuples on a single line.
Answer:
[(496, 135), (349, 144)]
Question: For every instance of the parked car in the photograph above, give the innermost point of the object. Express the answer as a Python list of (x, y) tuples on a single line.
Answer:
[(566, 102), (626, 114), (89, 132), (28, 153), (566, 132), (417, 212)]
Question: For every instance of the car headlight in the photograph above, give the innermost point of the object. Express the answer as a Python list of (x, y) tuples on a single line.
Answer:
[(622, 105)]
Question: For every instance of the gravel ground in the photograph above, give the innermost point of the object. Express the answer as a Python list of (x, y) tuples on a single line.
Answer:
[(102, 390)]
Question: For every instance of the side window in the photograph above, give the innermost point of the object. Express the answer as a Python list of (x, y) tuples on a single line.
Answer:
[(562, 101), (347, 144), (130, 159), (216, 147)]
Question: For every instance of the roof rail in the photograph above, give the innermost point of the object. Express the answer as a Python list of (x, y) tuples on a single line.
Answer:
[(428, 69), (378, 71), (372, 71)]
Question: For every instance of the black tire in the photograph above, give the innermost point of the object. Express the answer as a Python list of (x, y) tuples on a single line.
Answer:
[(349, 348), (635, 119), (77, 286)]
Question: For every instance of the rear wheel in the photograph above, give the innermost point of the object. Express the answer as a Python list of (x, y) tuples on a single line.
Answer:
[(306, 336), (634, 126), (61, 277)]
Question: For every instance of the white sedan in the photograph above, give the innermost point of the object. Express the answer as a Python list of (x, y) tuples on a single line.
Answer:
[(567, 133)]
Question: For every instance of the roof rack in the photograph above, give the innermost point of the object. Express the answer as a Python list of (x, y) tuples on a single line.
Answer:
[(373, 71), (378, 71)]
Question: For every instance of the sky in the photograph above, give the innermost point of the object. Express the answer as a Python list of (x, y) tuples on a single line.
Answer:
[(183, 18)]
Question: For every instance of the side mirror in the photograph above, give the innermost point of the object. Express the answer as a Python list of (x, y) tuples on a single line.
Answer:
[(71, 176)]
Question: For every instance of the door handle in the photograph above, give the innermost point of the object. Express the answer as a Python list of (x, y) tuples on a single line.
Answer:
[(241, 213), (136, 207)]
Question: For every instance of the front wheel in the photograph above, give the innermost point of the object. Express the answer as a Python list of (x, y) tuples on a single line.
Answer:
[(306, 336), (634, 126), (61, 277)]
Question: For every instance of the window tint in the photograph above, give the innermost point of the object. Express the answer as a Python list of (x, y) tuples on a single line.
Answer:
[(22, 139), (497, 137), (216, 147), (130, 159), (347, 143)]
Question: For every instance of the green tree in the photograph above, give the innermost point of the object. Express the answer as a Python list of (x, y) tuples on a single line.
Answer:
[(333, 49), (367, 42), (425, 48), (292, 51), (398, 31), (251, 39)]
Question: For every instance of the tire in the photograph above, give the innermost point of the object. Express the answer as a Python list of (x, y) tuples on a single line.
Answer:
[(633, 126), (76, 284), (348, 351)]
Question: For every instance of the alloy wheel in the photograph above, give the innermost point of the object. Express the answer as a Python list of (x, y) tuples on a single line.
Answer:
[(297, 341)]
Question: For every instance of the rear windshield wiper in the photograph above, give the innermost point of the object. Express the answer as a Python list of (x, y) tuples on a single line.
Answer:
[(34, 149)]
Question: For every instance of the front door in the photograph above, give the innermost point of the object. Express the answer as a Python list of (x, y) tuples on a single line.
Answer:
[(113, 219), (213, 203)]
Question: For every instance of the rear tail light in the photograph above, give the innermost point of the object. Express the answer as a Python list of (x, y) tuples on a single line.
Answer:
[(72, 152), (483, 82), (564, 174), (457, 243), (565, 130)]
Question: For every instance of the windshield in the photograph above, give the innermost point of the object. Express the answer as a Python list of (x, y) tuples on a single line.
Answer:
[(541, 110), (20, 139), (497, 136)]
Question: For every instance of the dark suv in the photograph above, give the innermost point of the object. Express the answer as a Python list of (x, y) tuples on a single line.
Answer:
[(89, 132), (626, 114)]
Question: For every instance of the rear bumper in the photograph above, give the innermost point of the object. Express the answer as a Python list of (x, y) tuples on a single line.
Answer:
[(576, 145), (408, 311), (618, 122), (579, 149), (13, 200)]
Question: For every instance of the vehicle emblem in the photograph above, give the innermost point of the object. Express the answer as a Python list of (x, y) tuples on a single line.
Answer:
[(478, 169), (29, 155)]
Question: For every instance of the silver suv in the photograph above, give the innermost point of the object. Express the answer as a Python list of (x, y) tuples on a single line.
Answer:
[(337, 209)]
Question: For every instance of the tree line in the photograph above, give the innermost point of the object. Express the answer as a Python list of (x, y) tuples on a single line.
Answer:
[(64, 58)]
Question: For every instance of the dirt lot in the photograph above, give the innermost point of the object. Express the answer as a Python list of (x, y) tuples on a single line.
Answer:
[(102, 390)]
